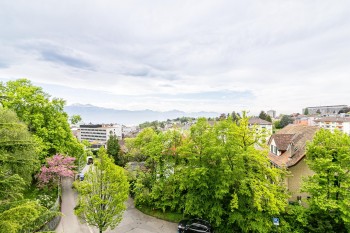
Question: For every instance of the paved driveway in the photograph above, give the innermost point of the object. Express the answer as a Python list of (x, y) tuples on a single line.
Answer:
[(133, 221)]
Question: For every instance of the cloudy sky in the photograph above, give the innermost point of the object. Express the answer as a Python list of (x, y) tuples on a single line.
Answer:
[(187, 55)]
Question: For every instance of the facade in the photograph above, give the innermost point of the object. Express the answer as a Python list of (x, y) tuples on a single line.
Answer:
[(332, 123), (305, 120), (271, 113), (262, 126), (287, 149), (100, 133), (324, 110)]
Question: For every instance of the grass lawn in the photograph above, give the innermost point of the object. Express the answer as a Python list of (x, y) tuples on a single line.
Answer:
[(168, 216)]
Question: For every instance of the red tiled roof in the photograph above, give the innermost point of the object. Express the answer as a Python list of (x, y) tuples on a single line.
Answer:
[(258, 121), (282, 140), (300, 135)]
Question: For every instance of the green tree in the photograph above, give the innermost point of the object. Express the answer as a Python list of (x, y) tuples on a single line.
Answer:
[(102, 193), (213, 172), (18, 162), (263, 115), (113, 150), (285, 120), (328, 155), (44, 116), (18, 150), (75, 119), (306, 111)]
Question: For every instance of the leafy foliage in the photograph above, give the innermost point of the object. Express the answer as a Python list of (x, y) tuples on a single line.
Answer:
[(264, 116), (44, 116), (329, 156), (285, 120), (213, 172), (102, 193), (113, 150)]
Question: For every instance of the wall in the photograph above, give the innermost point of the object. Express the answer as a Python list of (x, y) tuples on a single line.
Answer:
[(295, 179)]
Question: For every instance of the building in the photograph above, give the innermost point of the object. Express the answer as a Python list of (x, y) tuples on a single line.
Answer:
[(271, 113), (305, 120), (324, 110), (287, 149), (332, 123), (100, 133), (261, 125)]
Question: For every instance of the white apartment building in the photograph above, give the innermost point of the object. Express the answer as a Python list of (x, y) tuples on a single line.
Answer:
[(271, 113), (261, 126), (332, 123), (99, 133)]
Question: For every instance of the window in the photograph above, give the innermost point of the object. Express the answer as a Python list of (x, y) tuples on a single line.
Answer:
[(273, 149)]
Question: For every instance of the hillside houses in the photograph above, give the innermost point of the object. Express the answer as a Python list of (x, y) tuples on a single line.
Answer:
[(287, 149)]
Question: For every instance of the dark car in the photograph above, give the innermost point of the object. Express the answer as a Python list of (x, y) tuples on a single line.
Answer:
[(90, 160), (194, 226)]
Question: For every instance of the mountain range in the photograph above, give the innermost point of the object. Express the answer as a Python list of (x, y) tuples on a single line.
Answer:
[(98, 115)]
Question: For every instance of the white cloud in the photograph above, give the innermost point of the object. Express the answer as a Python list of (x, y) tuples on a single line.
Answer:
[(286, 54)]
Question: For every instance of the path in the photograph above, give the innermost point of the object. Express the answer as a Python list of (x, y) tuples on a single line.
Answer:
[(133, 221)]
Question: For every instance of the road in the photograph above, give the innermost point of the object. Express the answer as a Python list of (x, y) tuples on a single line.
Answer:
[(133, 221)]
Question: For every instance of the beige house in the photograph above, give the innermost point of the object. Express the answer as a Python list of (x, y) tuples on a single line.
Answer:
[(261, 126), (287, 149)]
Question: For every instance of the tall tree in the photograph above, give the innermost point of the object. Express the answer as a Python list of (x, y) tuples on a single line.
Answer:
[(216, 173), (285, 120), (306, 111), (328, 155), (102, 194), (44, 116), (113, 149), (18, 149), (264, 116), (18, 161)]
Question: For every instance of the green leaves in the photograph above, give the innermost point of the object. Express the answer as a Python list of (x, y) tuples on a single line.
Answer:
[(213, 172), (102, 193), (328, 155), (44, 116)]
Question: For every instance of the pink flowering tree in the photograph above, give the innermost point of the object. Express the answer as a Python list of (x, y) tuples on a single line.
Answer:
[(58, 166)]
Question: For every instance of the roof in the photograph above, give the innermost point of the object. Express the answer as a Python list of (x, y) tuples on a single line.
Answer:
[(333, 119), (282, 140), (293, 138), (258, 121)]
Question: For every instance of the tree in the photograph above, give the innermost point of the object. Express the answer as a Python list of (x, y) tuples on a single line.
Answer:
[(57, 167), (318, 111), (75, 119), (285, 120), (306, 111), (113, 149), (328, 155), (235, 116), (18, 149), (344, 110), (213, 172), (102, 194), (18, 161), (44, 116), (264, 116)]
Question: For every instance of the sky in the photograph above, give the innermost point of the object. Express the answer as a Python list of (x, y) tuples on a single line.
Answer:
[(216, 55)]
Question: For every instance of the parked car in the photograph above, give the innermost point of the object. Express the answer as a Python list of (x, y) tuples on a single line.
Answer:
[(194, 226), (81, 176), (90, 160)]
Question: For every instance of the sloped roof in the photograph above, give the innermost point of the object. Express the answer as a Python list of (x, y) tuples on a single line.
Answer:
[(333, 119), (301, 134), (282, 140), (258, 121)]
